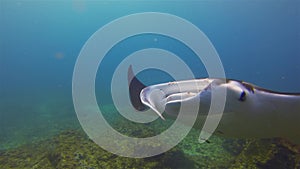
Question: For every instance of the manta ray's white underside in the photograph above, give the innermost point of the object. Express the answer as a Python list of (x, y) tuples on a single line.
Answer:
[(250, 111)]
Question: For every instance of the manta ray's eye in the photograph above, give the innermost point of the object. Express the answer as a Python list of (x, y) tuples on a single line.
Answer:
[(242, 96)]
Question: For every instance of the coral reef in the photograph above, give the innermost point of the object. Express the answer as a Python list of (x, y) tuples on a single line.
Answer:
[(266, 153), (72, 149)]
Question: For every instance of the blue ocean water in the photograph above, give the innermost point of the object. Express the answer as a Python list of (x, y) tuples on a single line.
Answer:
[(258, 42)]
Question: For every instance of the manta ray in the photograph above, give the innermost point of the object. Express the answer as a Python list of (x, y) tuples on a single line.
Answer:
[(250, 111)]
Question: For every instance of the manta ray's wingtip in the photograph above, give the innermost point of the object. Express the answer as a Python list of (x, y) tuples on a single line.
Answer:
[(135, 88), (130, 74)]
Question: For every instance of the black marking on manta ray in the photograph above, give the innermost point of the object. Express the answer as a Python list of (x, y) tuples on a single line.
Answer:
[(243, 96)]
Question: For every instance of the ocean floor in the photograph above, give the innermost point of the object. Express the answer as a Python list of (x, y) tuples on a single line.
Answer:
[(65, 145)]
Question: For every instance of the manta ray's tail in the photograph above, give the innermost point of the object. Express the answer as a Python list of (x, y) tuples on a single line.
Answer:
[(135, 88)]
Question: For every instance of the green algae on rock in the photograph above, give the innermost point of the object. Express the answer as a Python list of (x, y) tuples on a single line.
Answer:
[(73, 149)]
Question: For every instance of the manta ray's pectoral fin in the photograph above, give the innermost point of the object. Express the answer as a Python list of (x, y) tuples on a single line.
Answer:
[(142, 98), (135, 88)]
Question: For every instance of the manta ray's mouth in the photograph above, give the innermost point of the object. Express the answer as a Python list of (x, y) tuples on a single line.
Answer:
[(157, 97), (151, 99)]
